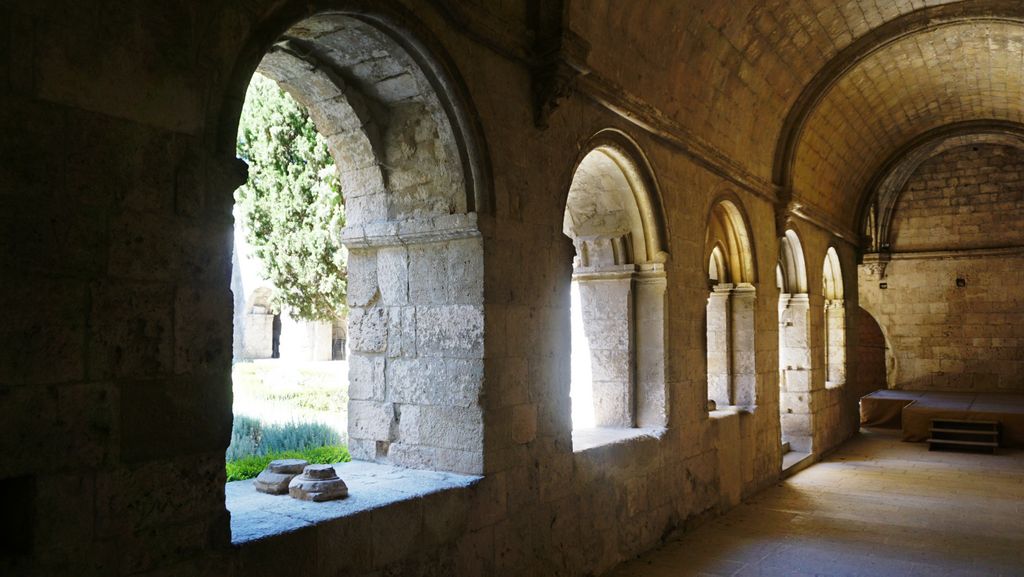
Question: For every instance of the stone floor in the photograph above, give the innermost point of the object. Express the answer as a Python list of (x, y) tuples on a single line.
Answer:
[(876, 507)]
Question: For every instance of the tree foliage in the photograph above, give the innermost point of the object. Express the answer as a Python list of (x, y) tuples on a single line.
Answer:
[(291, 206)]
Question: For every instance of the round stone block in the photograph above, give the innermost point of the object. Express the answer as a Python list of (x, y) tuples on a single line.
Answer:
[(293, 466), (278, 474), (318, 483)]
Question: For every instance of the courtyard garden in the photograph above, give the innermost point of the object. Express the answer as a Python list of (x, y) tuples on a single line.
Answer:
[(286, 409)]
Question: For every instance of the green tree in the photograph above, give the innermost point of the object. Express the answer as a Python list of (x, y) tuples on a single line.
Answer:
[(291, 206)]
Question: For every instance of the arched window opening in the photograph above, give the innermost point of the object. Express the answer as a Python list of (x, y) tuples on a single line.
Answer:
[(834, 318), (412, 345), (287, 391), (731, 371), (794, 353), (617, 294)]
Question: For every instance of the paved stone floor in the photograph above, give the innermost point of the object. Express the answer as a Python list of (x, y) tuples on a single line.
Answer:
[(875, 507)]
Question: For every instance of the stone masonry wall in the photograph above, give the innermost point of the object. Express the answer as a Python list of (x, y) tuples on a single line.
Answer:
[(117, 172), (944, 336), (968, 197)]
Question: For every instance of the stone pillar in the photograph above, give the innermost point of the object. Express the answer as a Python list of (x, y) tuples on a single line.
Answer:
[(607, 303), (416, 343), (795, 371), (744, 372), (649, 300), (835, 342), (719, 357), (305, 340), (257, 335)]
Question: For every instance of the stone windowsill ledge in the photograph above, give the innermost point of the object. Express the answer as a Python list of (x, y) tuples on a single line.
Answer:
[(594, 437), (256, 515), (730, 410)]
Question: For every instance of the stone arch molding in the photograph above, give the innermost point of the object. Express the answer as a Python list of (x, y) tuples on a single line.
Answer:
[(614, 193), (374, 79), (832, 276), (727, 228), (883, 193), (834, 316), (729, 317), (413, 180), (792, 264)]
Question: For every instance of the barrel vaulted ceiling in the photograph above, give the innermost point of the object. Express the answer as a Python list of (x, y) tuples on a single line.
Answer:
[(814, 95)]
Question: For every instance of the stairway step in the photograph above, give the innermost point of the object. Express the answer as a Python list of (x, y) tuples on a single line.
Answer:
[(964, 431), (965, 443), (965, 425)]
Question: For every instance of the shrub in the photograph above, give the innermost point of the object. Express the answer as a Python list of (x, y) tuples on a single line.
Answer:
[(249, 467), (250, 437), (297, 436)]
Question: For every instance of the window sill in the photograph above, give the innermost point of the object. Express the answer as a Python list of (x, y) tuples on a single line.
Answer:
[(594, 437), (256, 515), (729, 410)]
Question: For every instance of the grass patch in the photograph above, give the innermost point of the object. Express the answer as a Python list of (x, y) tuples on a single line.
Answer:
[(248, 467)]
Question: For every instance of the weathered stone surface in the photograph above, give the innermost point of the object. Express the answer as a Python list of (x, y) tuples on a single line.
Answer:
[(318, 483), (277, 476)]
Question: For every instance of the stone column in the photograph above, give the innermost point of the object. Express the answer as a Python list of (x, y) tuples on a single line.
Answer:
[(835, 342), (795, 367), (718, 345), (744, 371), (607, 303), (649, 300)]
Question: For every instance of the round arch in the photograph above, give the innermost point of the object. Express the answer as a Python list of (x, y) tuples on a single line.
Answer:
[(404, 136), (303, 29), (613, 163), (880, 198), (832, 276), (727, 227), (791, 263)]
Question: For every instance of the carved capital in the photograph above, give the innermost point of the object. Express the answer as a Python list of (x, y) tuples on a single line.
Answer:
[(875, 264)]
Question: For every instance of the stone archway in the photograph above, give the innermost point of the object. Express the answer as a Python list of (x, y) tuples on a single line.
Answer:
[(614, 219), (415, 267), (834, 320), (732, 375), (795, 412)]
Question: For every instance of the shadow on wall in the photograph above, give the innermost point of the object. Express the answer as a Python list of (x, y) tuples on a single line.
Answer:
[(871, 353)]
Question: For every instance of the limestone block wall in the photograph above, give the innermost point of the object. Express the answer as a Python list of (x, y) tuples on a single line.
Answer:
[(257, 336), (945, 337), (416, 341), (959, 217), (968, 197)]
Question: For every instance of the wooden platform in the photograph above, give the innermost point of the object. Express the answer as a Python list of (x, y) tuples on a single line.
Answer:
[(913, 412)]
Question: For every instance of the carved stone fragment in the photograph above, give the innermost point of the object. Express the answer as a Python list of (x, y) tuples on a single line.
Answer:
[(318, 483), (275, 478)]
